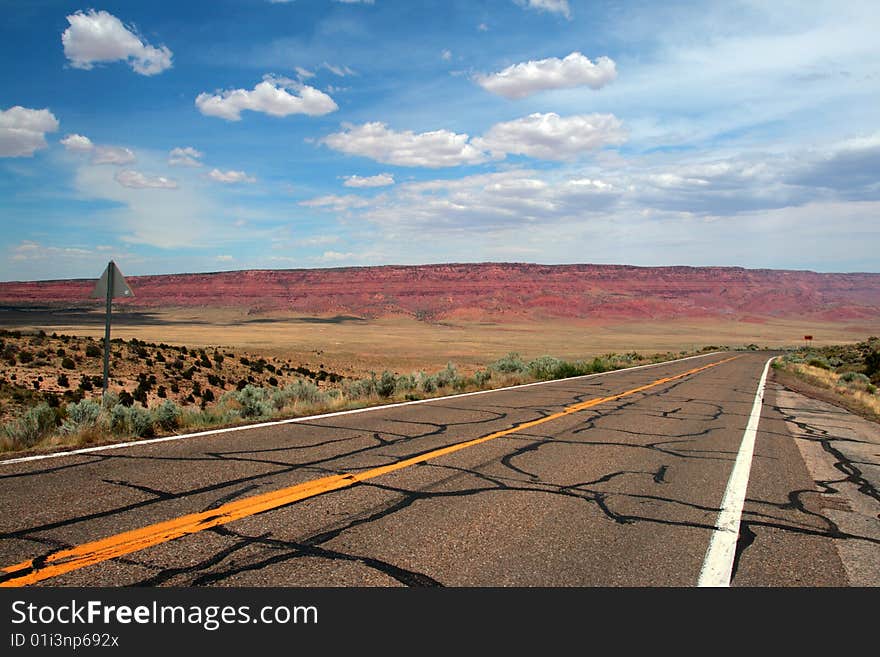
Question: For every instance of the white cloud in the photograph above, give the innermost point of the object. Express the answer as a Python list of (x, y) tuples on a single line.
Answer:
[(334, 256), (482, 27), (304, 73), (552, 137), (98, 36), (112, 155), (550, 6), (185, 157), (438, 148), (77, 143), (526, 78), (224, 258), (446, 54), (271, 96), (380, 180), (341, 71), (23, 131), (137, 180), (231, 177), (336, 203)]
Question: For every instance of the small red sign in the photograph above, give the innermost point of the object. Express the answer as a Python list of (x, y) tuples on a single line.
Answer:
[(808, 337)]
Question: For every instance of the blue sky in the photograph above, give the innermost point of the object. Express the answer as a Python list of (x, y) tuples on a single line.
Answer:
[(236, 134)]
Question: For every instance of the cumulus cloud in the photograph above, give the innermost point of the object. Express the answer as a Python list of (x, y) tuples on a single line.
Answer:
[(112, 155), (271, 96), (98, 36), (231, 177), (23, 131), (527, 78), (380, 180), (550, 6), (77, 143), (185, 157), (438, 148), (137, 180), (552, 137)]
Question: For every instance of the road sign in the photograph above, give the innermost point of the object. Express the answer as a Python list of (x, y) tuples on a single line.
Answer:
[(808, 337), (110, 286), (118, 286)]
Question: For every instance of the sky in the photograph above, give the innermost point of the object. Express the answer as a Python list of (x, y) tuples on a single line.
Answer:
[(239, 134)]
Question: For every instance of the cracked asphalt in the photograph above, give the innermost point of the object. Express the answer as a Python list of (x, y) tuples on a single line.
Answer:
[(624, 493)]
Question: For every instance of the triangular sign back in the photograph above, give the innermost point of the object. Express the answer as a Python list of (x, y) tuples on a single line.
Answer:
[(120, 287)]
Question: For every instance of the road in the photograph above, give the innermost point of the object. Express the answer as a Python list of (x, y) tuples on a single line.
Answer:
[(609, 480)]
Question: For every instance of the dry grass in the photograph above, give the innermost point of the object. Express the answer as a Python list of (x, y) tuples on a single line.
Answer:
[(817, 376)]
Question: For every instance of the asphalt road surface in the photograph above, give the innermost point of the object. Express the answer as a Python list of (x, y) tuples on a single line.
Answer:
[(610, 480)]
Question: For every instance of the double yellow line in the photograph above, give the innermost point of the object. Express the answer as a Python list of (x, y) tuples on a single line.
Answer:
[(87, 554)]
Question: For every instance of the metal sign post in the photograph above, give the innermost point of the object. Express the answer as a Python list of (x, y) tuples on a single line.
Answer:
[(111, 284)]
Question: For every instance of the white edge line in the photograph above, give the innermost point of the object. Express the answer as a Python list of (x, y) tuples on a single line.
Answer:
[(308, 418), (718, 563)]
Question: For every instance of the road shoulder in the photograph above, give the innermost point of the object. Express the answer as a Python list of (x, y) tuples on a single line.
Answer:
[(842, 454)]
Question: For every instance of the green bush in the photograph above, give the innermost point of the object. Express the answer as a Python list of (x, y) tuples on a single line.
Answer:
[(509, 364), (67, 363), (167, 415), (449, 377), (820, 362), (253, 402), (81, 415), (94, 351), (298, 391), (140, 421), (119, 419), (385, 386), (37, 423), (482, 377), (854, 377), (360, 388), (544, 368)]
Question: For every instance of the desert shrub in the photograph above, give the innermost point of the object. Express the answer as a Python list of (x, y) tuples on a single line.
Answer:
[(253, 402), (94, 351), (85, 384), (600, 365), (481, 377), (872, 364), (119, 419), (272, 381), (820, 362), (544, 367), (449, 377), (428, 383), (509, 364), (67, 363), (63, 381), (81, 415), (167, 415), (360, 388), (125, 398), (298, 391), (208, 395), (386, 384), (218, 358), (406, 382), (567, 369), (140, 421), (25, 356), (871, 389), (35, 425), (851, 377), (161, 392)]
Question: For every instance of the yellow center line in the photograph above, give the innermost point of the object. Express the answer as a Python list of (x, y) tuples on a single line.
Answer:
[(87, 554)]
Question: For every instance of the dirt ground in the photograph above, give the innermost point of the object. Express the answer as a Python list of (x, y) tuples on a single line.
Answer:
[(352, 345)]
